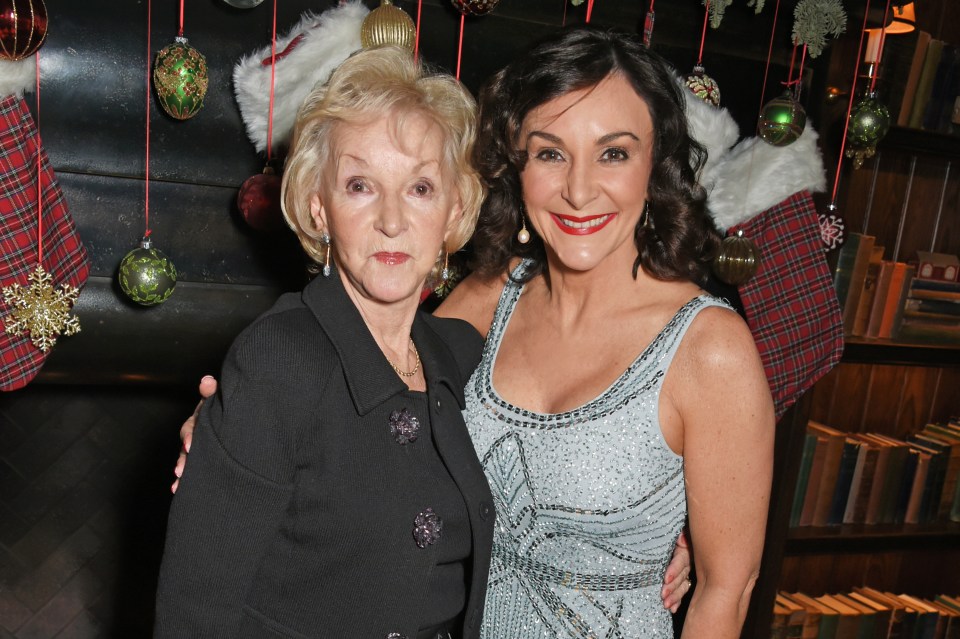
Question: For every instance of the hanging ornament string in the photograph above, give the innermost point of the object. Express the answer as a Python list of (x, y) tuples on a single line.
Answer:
[(146, 180), (703, 35), (766, 70), (883, 37), (648, 25), (416, 37), (180, 29), (273, 79), (460, 44), (564, 23), (846, 125), (39, 183), (798, 82), (589, 10)]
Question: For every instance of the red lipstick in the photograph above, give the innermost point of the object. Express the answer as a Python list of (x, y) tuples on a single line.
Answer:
[(391, 259), (582, 225)]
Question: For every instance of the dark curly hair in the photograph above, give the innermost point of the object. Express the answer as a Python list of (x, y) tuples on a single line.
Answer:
[(680, 240)]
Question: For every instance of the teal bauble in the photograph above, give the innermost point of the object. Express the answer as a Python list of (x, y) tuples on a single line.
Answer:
[(869, 122), (782, 120), (147, 275)]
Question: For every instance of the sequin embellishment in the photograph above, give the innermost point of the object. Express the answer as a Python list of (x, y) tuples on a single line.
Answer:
[(588, 502), (427, 528), (404, 426)]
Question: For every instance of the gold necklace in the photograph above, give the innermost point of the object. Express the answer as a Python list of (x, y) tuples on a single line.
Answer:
[(403, 373)]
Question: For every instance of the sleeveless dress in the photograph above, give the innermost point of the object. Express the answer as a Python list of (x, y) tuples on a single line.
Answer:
[(589, 502)]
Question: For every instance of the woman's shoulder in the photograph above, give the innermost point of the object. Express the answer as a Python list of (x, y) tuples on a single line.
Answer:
[(475, 299)]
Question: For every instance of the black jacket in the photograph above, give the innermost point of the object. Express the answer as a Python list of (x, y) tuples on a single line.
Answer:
[(295, 513)]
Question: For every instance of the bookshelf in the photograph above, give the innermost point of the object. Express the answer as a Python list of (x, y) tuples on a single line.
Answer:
[(908, 197)]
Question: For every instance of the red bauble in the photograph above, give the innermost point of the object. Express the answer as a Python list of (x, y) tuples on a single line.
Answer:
[(475, 7), (259, 201), (23, 28)]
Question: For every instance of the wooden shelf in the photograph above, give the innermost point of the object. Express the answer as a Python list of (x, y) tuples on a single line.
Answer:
[(858, 350), (877, 538), (920, 142)]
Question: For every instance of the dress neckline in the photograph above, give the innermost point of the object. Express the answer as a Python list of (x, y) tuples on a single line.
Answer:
[(501, 321)]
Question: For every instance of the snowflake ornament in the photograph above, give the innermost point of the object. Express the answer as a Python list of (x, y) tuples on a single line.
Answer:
[(41, 310), (831, 230)]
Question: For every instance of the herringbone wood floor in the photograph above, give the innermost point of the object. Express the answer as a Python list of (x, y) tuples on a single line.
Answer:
[(84, 492)]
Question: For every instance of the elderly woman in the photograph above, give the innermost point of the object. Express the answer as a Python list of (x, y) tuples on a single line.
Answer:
[(615, 400), (333, 490)]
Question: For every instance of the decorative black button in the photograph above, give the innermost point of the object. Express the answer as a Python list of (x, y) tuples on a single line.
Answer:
[(396, 635), (438, 404), (427, 528), (485, 510), (404, 426)]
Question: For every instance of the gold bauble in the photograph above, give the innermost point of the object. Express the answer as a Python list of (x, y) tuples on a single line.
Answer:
[(387, 24), (737, 260)]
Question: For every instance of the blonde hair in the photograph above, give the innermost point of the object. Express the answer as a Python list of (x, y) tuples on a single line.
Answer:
[(367, 85)]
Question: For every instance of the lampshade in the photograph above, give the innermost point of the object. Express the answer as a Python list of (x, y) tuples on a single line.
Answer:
[(904, 19)]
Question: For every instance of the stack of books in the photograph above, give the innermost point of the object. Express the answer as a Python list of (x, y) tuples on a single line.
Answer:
[(865, 613), (931, 312), (909, 302), (870, 478)]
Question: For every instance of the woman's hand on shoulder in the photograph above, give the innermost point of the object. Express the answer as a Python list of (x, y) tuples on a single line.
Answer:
[(208, 387), (474, 300)]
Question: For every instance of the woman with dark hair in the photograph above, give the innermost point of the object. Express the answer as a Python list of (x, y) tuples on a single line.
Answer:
[(615, 400)]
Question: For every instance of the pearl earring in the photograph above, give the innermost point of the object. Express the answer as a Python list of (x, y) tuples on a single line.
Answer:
[(523, 236)]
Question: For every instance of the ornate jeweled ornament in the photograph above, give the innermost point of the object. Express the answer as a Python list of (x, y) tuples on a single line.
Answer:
[(41, 310), (180, 77)]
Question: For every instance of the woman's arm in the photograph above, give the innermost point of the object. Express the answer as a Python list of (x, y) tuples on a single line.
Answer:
[(727, 413), (230, 502)]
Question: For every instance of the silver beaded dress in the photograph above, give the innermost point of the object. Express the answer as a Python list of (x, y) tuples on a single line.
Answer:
[(589, 502)]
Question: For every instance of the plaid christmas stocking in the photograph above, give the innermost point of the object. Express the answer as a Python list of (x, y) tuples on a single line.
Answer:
[(64, 257), (791, 306)]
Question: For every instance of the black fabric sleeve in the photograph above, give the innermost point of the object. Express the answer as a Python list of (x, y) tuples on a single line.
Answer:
[(234, 491)]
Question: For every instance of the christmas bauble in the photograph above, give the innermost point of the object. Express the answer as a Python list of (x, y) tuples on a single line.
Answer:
[(243, 4), (387, 24), (475, 7), (259, 201), (737, 260), (703, 86), (782, 120), (180, 77), (23, 28), (147, 276), (869, 122)]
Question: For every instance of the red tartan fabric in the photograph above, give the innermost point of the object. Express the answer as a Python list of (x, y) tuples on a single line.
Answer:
[(64, 256), (791, 306)]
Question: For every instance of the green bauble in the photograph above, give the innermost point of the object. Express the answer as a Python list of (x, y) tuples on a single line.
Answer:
[(869, 122), (147, 276), (782, 120), (180, 77)]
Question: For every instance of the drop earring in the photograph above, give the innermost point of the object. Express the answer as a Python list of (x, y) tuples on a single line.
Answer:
[(326, 259), (523, 235), (645, 216), (445, 271)]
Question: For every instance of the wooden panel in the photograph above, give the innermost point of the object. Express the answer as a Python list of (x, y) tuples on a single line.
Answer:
[(822, 394), (946, 404), (919, 390), (850, 396), (880, 411)]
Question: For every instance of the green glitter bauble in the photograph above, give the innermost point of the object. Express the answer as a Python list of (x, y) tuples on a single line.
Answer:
[(147, 276), (180, 77), (869, 122), (782, 120)]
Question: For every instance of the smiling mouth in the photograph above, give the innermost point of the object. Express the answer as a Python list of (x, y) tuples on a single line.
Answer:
[(582, 225)]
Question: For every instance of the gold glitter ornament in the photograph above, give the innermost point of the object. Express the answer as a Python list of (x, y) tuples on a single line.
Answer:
[(737, 260), (387, 24), (41, 310), (703, 86), (180, 77)]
